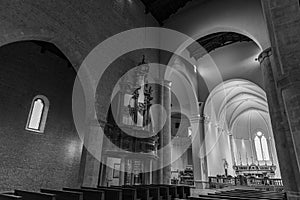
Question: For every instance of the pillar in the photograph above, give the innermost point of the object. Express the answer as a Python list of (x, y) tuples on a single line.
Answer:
[(199, 152), (122, 171), (91, 155), (162, 125), (166, 132), (281, 109), (157, 127), (290, 92)]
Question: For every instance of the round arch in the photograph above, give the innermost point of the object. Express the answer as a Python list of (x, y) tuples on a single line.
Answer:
[(262, 44), (245, 17)]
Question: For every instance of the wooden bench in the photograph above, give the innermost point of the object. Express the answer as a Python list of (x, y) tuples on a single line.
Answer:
[(248, 194), (181, 192), (64, 195), (256, 196), (172, 190), (88, 194), (252, 194), (29, 195), (217, 196), (9, 197), (110, 193), (144, 193), (164, 192), (129, 193), (154, 192), (205, 198)]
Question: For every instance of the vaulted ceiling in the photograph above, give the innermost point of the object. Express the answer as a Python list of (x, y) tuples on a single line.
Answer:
[(163, 9), (237, 101)]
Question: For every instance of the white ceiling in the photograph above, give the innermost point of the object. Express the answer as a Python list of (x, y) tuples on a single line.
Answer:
[(241, 104)]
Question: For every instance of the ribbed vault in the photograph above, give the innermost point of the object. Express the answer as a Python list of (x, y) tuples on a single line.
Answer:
[(238, 98)]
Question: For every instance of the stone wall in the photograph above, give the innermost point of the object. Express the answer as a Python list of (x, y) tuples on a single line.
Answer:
[(75, 27), (32, 160), (281, 66)]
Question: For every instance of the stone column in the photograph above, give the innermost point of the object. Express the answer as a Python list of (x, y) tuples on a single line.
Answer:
[(285, 143), (91, 156), (166, 132), (290, 91), (157, 128), (199, 152), (162, 125), (122, 171)]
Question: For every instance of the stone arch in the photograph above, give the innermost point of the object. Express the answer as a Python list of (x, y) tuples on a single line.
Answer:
[(45, 35), (260, 43), (198, 20)]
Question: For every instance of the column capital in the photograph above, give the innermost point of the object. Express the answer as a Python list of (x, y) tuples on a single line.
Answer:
[(266, 53), (167, 83), (163, 82)]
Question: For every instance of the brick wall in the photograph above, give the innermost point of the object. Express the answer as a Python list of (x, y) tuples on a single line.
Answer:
[(30, 160)]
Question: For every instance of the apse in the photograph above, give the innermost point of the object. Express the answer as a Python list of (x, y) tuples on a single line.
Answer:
[(238, 129)]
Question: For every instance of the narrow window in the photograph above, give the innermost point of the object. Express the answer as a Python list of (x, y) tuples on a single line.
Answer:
[(38, 113), (258, 148), (261, 147), (264, 145)]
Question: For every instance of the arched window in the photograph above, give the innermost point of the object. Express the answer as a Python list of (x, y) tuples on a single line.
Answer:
[(261, 147), (38, 114)]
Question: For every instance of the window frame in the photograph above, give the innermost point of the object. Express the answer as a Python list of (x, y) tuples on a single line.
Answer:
[(261, 146), (42, 123)]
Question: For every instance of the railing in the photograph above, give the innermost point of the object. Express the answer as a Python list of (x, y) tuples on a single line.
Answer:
[(270, 184), (126, 142)]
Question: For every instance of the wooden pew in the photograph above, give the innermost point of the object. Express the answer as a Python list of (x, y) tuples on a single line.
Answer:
[(64, 195), (252, 194), (172, 190), (217, 196), (88, 194), (187, 190), (29, 195), (9, 197), (143, 193), (164, 192), (110, 193), (241, 195), (270, 193), (181, 192), (154, 192), (205, 197), (129, 193), (248, 194)]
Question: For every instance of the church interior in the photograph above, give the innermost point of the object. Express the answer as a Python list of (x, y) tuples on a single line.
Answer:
[(149, 99)]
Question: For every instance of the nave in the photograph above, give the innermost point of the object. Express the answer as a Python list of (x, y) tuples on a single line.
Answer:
[(149, 99)]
